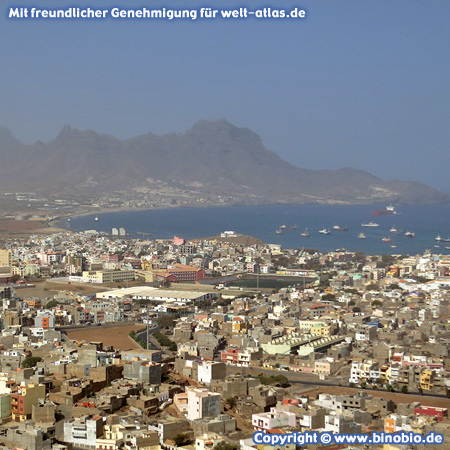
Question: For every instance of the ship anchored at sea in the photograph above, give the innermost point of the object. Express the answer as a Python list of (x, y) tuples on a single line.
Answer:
[(385, 212), (370, 225)]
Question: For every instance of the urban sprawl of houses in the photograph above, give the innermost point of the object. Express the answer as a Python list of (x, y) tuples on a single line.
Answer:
[(354, 344)]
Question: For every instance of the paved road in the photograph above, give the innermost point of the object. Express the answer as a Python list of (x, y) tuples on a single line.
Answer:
[(312, 380)]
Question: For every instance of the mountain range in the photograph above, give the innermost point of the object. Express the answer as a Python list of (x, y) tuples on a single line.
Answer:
[(213, 157)]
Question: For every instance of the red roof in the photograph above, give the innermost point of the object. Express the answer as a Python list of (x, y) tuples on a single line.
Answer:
[(318, 305)]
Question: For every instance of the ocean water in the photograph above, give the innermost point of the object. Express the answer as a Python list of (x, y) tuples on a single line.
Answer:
[(262, 221)]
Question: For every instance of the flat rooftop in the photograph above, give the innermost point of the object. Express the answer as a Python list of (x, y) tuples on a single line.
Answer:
[(147, 292)]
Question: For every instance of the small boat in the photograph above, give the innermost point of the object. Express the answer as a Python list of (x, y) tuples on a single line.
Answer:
[(448, 248), (410, 234), (305, 233), (324, 231), (370, 224), (439, 239), (96, 218), (436, 246), (279, 231), (291, 228), (395, 230), (386, 239), (361, 236), (393, 246)]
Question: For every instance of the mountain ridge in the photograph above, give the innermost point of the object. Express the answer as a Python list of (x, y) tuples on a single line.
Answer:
[(213, 157)]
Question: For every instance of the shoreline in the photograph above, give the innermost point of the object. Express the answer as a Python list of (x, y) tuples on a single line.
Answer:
[(65, 217), (58, 223)]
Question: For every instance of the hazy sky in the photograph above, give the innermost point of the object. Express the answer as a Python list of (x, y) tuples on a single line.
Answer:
[(360, 83)]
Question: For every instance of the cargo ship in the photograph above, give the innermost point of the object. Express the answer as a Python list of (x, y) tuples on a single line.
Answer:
[(385, 212), (439, 239), (285, 227), (339, 228)]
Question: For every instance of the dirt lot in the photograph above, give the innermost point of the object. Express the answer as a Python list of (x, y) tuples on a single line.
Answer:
[(47, 289), (115, 336), (18, 226), (23, 228)]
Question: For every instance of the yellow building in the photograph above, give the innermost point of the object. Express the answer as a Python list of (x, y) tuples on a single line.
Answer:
[(5, 258), (146, 265), (321, 330), (22, 400), (240, 325), (108, 276), (427, 380), (145, 276)]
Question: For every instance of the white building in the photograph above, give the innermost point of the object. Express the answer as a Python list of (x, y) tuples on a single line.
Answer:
[(276, 418), (211, 370), (338, 423), (207, 441), (83, 431), (362, 371), (366, 333)]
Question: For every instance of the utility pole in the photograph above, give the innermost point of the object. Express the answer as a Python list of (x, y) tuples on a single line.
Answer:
[(148, 332)]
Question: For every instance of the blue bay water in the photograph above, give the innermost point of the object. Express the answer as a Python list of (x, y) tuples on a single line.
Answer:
[(262, 221)]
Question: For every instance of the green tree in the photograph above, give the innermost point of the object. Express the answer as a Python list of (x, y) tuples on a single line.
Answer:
[(387, 259), (360, 256), (226, 446), (230, 402), (389, 388), (181, 439), (30, 361), (393, 286), (167, 321), (165, 341), (51, 304), (404, 389), (280, 380), (363, 385), (372, 287)]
